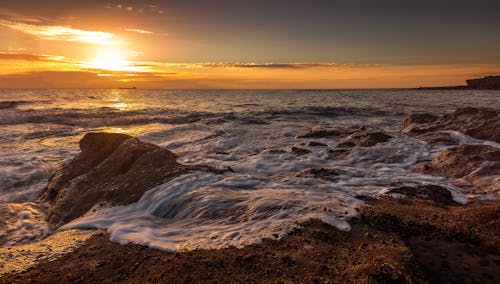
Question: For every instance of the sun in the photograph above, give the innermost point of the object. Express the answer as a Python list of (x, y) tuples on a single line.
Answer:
[(111, 60)]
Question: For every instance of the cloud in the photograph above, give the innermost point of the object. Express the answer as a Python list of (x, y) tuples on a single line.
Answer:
[(140, 31), (62, 33), (25, 57), (270, 65)]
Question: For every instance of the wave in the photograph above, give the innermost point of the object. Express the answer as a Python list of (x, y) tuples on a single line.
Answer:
[(13, 104)]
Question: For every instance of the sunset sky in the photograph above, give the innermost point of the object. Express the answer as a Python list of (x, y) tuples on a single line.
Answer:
[(247, 44)]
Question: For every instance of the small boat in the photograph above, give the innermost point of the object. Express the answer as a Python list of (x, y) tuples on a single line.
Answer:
[(128, 88)]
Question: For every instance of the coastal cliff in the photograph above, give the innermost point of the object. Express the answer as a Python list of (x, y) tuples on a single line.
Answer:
[(486, 83)]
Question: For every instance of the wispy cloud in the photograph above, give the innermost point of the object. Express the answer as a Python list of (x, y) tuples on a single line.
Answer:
[(271, 65), (62, 33), (140, 31), (29, 57)]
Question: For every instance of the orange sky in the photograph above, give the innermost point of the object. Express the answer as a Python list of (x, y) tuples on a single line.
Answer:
[(69, 52)]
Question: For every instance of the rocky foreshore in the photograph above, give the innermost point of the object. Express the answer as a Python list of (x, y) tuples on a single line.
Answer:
[(411, 234)]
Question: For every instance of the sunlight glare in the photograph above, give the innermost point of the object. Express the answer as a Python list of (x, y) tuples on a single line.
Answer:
[(111, 59)]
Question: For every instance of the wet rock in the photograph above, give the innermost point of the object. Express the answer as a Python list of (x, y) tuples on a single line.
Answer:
[(322, 173), (330, 132), (479, 123), (339, 153), (364, 139), (320, 133), (111, 168), (373, 139), (439, 137), (478, 164), (315, 144), (476, 222), (431, 192), (419, 118), (276, 151), (299, 151), (346, 144)]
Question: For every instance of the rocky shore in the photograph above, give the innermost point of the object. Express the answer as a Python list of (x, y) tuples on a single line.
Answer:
[(411, 234)]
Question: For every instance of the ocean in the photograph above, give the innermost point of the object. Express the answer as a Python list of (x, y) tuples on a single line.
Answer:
[(250, 131)]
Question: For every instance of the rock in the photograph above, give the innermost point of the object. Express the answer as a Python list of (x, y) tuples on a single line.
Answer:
[(315, 144), (364, 139), (373, 139), (339, 153), (346, 144), (111, 168), (479, 123), (330, 132), (486, 83), (320, 133), (478, 164), (431, 192), (299, 151), (322, 173), (419, 118), (439, 137)]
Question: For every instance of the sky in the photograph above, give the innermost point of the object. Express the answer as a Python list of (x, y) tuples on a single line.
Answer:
[(247, 44)]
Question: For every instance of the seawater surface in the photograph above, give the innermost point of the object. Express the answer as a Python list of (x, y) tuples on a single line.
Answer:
[(246, 130)]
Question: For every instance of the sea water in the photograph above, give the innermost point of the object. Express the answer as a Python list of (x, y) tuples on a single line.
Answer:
[(251, 131)]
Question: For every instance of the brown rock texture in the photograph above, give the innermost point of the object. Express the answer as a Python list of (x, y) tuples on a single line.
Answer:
[(479, 123), (364, 139), (111, 168), (478, 164)]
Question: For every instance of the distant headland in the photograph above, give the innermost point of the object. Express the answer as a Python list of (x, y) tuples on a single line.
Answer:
[(485, 83)]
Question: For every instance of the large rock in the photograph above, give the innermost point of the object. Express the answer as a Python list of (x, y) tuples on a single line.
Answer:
[(479, 123), (477, 164), (364, 139), (111, 168), (486, 83)]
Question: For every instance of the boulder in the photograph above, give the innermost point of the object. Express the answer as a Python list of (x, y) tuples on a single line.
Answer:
[(111, 168), (431, 192), (330, 132), (419, 118), (479, 123), (299, 151), (364, 139), (477, 164)]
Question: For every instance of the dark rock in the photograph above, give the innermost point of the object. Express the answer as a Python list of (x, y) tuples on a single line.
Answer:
[(331, 132), (300, 151), (320, 133), (419, 118), (321, 173), (439, 137), (315, 144), (364, 139), (478, 164), (479, 123), (346, 144), (435, 193), (339, 153), (276, 151), (112, 168), (373, 139)]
